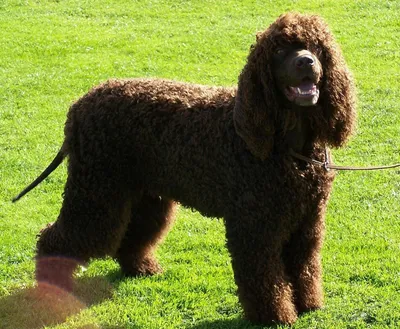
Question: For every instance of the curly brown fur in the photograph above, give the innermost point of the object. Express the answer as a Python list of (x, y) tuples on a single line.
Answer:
[(136, 145)]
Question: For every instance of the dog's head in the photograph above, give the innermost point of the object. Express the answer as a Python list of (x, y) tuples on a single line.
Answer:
[(294, 67)]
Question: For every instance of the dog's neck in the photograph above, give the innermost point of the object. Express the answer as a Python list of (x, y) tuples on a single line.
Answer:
[(300, 138)]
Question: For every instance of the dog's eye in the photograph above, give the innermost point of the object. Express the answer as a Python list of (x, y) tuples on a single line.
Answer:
[(280, 51)]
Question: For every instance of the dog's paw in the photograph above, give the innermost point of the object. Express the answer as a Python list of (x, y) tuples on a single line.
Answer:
[(145, 267)]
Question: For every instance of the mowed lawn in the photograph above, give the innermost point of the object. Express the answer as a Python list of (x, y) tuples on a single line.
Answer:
[(52, 52)]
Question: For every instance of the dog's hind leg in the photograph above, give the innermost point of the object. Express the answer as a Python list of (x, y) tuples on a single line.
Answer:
[(92, 221), (151, 219)]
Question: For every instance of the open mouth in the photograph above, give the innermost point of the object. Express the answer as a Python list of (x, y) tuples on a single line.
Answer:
[(305, 94)]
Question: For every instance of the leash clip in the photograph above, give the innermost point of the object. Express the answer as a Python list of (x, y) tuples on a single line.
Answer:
[(326, 164)]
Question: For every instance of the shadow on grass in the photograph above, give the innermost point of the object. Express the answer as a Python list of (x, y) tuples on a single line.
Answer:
[(34, 308), (230, 324)]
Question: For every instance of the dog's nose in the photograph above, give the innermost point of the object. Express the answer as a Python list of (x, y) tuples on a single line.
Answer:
[(304, 61)]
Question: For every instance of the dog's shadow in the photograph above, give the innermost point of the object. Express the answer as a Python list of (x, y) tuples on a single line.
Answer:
[(34, 308), (231, 324)]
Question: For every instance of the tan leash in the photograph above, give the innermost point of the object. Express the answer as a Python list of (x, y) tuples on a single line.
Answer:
[(327, 165)]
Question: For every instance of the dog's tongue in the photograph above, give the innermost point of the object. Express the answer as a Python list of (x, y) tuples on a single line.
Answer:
[(305, 88)]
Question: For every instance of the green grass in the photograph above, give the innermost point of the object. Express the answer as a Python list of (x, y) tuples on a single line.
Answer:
[(52, 52)]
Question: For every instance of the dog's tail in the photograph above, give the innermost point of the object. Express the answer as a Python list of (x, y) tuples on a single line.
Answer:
[(50, 168)]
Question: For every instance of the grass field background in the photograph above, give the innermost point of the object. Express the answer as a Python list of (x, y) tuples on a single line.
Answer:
[(52, 52)]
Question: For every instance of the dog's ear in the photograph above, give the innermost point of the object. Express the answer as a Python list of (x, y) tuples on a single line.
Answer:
[(255, 104), (337, 95)]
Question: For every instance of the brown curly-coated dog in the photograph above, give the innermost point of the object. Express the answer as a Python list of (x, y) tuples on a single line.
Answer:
[(137, 146)]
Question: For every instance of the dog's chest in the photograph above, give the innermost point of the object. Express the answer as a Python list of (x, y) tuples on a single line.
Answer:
[(287, 191)]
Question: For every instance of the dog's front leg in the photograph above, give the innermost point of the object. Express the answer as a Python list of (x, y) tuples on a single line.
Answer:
[(303, 262), (263, 287)]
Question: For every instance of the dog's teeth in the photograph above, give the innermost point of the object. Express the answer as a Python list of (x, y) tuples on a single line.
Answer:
[(299, 91)]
